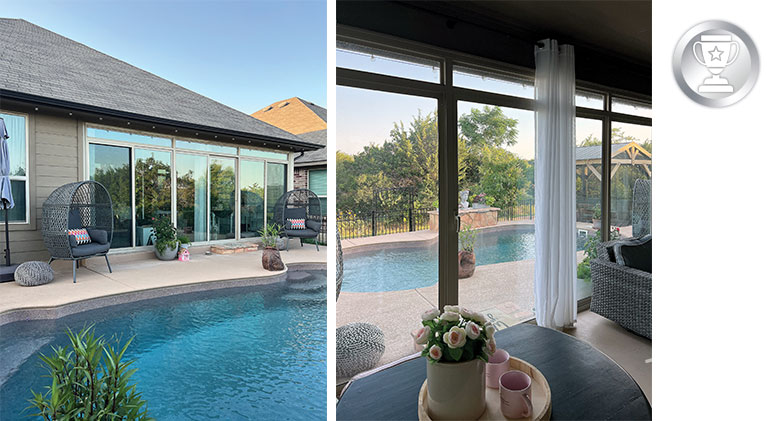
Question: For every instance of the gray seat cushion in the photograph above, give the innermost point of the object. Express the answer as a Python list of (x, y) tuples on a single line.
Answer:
[(307, 233), (33, 273), (89, 249), (359, 346)]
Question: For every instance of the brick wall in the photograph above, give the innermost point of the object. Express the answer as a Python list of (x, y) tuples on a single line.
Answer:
[(301, 178)]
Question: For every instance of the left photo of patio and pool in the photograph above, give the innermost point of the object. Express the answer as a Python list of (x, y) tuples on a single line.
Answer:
[(163, 188)]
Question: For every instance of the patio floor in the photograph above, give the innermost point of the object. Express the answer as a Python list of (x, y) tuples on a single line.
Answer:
[(141, 273)]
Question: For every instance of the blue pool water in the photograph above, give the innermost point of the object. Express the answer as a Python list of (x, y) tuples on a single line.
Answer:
[(239, 353), (411, 267)]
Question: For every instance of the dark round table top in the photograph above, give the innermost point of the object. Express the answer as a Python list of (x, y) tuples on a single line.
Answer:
[(585, 383)]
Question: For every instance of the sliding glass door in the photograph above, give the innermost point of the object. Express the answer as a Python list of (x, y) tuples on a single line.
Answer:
[(222, 205), (110, 166), (152, 192), (252, 198), (192, 196), (276, 186)]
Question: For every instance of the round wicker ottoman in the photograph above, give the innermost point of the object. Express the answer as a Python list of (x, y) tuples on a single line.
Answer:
[(30, 274), (359, 346)]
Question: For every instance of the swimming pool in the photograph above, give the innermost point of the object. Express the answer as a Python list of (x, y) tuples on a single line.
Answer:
[(238, 353), (399, 268)]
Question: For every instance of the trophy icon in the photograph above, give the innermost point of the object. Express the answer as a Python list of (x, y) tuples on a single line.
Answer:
[(716, 51)]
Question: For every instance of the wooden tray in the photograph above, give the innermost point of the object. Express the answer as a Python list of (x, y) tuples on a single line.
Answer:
[(540, 396)]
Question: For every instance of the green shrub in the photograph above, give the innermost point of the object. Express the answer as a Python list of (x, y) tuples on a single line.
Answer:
[(164, 234), (269, 235), (467, 237), (89, 381)]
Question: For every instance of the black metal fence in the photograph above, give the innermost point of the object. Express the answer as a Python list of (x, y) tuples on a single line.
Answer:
[(381, 222), (523, 210)]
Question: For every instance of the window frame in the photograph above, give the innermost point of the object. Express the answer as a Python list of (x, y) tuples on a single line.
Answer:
[(26, 178), (447, 96), (237, 157)]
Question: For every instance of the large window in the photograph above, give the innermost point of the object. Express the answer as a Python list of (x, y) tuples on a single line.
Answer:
[(485, 122), (218, 192), (16, 124)]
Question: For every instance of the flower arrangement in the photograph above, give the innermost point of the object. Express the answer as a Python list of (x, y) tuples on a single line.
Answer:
[(456, 335)]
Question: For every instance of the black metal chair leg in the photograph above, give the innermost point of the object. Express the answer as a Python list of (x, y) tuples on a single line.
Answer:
[(287, 243), (74, 271), (301, 242), (51, 260), (78, 264), (317, 243), (108, 264)]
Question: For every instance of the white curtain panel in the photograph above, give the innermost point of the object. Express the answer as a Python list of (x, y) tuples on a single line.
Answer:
[(556, 242)]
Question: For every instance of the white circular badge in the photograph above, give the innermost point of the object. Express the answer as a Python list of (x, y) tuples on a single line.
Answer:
[(715, 63)]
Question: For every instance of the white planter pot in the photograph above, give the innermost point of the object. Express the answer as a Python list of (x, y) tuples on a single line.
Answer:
[(456, 391)]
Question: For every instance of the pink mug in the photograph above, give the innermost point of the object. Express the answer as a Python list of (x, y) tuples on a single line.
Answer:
[(497, 364), (516, 394)]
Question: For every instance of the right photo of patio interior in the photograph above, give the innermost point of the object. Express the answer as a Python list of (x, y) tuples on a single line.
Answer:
[(495, 156)]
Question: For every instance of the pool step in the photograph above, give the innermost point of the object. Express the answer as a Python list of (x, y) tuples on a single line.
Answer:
[(312, 285), (299, 276)]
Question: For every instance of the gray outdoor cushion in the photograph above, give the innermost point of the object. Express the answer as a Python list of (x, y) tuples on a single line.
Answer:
[(98, 236), (635, 253), (89, 249), (359, 346), (307, 233), (310, 223), (30, 274)]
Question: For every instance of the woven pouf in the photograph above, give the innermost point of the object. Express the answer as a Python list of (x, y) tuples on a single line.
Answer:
[(30, 274), (359, 346)]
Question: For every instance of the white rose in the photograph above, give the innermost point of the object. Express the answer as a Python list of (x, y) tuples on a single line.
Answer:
[(490, 347), (422, 335), (490, 330), (472, 330), (466, 313), (450, 316), (478, 317), (453, 309), (435, 352), (430, 314), (456, 337)]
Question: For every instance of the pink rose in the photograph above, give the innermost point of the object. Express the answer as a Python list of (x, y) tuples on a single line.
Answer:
[(472, 330), (435, 353), (456, 337), (422, 335)]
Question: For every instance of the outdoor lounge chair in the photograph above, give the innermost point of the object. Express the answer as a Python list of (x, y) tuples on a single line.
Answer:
[(299, 204), (81, 205)]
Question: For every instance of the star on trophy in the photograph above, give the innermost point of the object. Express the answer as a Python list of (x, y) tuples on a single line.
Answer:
[(716, 51)]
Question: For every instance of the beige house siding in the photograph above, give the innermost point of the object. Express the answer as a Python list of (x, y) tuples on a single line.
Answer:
[(55, 159)]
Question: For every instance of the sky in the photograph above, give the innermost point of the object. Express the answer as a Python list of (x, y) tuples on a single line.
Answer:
[(365, 117), (244, 54)]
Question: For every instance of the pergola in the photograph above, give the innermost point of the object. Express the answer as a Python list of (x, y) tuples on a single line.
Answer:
[(631, 153)]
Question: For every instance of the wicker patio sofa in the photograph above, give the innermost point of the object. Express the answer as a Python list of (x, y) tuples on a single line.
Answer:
[(622, 294)]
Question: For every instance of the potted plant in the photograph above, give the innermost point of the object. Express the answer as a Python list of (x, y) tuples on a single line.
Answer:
[(271, 259), (457, 343), (597, 217), (184, 241), (166, 246), (467, 260)]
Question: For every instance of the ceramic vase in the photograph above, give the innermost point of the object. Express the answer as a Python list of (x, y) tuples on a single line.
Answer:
[(456, 391)]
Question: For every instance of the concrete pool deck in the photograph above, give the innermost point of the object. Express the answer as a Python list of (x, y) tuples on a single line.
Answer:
[(503, 292), (140, 275)]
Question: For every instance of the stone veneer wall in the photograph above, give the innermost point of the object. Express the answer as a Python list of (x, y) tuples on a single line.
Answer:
[(477, 218)]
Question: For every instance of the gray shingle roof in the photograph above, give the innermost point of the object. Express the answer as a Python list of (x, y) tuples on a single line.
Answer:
[(321, 112), (37, 62), (319, 137)]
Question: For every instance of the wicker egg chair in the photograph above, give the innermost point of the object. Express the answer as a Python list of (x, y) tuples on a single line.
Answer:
[(299, 204), (80, 205)]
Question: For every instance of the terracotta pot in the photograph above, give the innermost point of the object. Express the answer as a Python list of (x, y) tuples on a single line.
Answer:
[(272, 260), (456, 391), (467, 262)]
